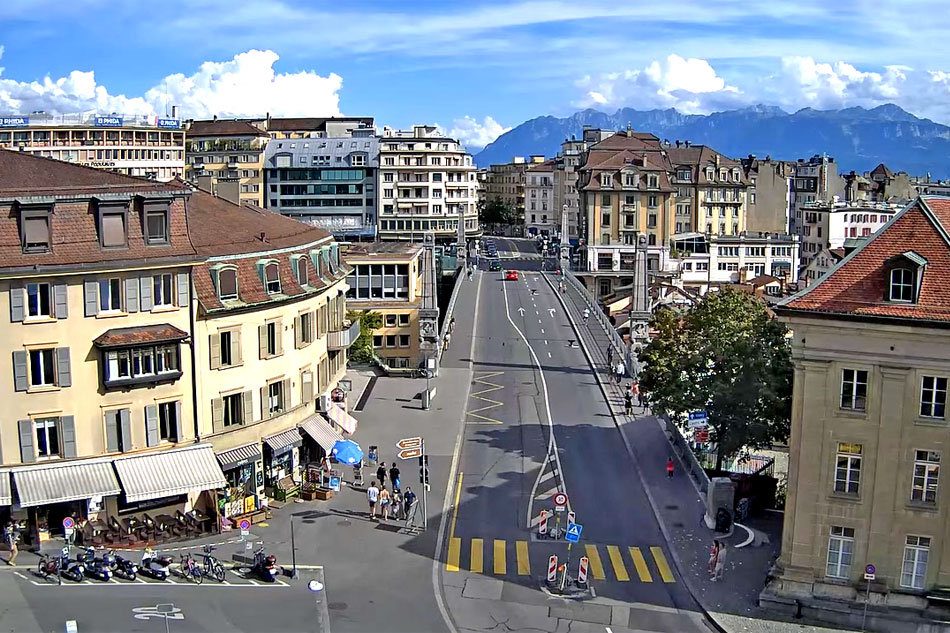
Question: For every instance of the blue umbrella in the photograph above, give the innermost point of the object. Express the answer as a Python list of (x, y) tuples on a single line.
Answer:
[(347, 452)]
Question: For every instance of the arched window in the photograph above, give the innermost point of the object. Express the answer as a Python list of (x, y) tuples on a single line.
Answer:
[(902, 285), (226, 283), (271, 278)]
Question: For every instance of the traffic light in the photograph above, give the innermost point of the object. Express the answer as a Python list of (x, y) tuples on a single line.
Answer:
[(424, 470)]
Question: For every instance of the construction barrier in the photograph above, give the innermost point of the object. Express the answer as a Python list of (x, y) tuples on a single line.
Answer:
[(552, 569), (582, 571), (543, 525), (570, 517)]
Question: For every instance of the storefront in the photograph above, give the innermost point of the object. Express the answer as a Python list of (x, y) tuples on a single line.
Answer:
[(318, 439), (6, 497), (282, 456), (244, 474)]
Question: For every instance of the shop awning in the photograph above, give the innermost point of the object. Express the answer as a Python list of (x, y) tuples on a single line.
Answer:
[(42, 485), (169, 473), (234, 457), (283, 442), (343, 419), (321, 432), (6, 496)]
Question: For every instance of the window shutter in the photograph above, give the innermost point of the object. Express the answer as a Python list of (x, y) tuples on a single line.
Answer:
[(112, 431), (145, 298), (17, 301), (27, 454), (215, 281), (67, 433), (151, 425), (132, 295), (20, 381), (265, 409), (125, 428), (61, 301), (248, 404), (217, 414), (91, 297), (176, 427), (298, 332), (183, 289), (214, 343), (285, 394), (236, 354), (279, 337), (262, 340), (306, 381), (63, 371)]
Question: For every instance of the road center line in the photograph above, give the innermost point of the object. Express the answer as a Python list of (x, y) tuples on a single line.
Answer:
[(455, 508)]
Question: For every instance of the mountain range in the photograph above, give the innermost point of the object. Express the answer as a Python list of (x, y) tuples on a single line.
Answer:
[(857, 138)]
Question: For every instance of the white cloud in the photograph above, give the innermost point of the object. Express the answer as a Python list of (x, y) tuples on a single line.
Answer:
[(825, 85), (475, 135), (244, 85)]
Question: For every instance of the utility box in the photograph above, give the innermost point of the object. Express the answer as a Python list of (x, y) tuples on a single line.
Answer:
[(721, 495)]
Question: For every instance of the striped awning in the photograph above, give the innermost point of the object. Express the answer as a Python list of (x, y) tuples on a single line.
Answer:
[(234, 457), (69, 481), (343, 419), (169, 473), (6, 495), (283, 442), (321, 432)]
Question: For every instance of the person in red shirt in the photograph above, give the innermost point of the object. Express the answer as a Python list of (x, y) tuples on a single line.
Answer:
[(669, 467)]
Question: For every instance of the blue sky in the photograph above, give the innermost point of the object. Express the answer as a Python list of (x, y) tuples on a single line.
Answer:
[(475, 67)]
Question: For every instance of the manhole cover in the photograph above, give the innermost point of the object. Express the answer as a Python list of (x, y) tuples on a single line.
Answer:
[(344, 522), (672, 507), (336, 606)]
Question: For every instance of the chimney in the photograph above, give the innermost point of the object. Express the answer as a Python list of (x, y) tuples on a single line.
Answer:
[(687, 143), (215, 117), (263, 237), (677, 142)]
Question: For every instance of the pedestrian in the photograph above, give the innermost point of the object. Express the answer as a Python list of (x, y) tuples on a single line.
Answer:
[(619, 369), (394, 476), (713, 556), (610, 354), (409, 505), (642, 399), (381, 474), (396, 504), (11, 536), (720, 563), (452, 325), (372, 495), (628, 403), (384, 499), (448, 339), (586, 314), (669, 467)]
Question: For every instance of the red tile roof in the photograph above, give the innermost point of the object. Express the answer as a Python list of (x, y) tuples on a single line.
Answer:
[(856, 286), (139, 335)]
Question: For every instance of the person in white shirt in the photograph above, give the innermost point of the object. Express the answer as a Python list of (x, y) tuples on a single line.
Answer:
[(372, 495)]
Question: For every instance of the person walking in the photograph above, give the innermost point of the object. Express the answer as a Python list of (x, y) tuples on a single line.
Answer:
[(396, 504), (384, 499), (409, 505), (381, 474), (372, 495), (628, 403), (610, 355), (448, 339), (619, 371), (720, 568), (394, 476), (669, 467), (11, 536), (713, 556), (586, 314)]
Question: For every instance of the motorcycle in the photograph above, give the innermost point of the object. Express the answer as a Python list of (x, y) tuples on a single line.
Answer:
[(265, 567), (95, 567), (48, 566), (71, 569), (122, 567), (155, 567)]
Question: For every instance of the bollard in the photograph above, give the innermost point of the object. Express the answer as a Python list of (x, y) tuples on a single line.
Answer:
[(570, 517), (552, 569), (582, 572), (543, 525), (563, 571)]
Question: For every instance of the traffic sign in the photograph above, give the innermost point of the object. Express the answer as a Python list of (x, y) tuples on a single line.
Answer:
[(573, 533), (409, 442), (68, 523), (698, 418), (869, 572), (244, 524), (560, 501), (410, 453)]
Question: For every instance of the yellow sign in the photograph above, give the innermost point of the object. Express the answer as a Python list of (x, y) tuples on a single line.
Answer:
[(249, 505)]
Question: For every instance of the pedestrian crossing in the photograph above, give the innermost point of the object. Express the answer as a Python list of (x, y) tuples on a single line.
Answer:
[(606, 562)]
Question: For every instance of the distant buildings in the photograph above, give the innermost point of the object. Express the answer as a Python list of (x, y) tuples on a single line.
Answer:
[(709, 261), (711, 191), (540, 210), (225, 157), (505, 183), (768, 197)]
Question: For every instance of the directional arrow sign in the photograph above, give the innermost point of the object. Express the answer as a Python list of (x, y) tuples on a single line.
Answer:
[(521, 311), (551, 310), (410, 453), (573, 533), (409, 442)]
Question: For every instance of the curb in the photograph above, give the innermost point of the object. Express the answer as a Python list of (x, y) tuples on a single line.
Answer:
[(653, 506)]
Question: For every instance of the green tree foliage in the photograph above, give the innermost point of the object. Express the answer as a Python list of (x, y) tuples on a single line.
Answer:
[(362, 350), (495, 212), (728, 356)]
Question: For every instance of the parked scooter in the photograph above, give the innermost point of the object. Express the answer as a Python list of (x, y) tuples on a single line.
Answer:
[(153, 566), (71, 569), (121, 567), (265, 566), (95, 567)]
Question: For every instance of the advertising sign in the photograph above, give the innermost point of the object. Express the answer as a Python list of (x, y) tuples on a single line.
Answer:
[(107, 121), (14, 121), (171, 124)]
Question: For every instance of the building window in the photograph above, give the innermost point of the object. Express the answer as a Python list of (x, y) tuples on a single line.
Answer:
[(604, 287), (271, 340), (42, 367), (227, 284), (47, 437), (233, 409), (404, 320), (390, 340), (357, 160), (141, 364), (926, 473), (168, 421), (854, 389), (275, 398), (652, 200), (902, 285), (226, 340), (933, 397), (162, 291), (403, 340), (110, 295), (391, 320), (156, 227), (36, 234), (605, 219), (848, 468), (271, 278), (605, 200), (377, 340), (112, 230), (840, 552), (914, 567), (605, 261), (39, 300), (306, 328)]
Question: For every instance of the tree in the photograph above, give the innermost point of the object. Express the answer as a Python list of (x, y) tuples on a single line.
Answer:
[(495, 212), (729, 357), (362, 350)]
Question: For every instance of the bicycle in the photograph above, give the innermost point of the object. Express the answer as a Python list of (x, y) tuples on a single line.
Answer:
[(211, 566), (190, 569)]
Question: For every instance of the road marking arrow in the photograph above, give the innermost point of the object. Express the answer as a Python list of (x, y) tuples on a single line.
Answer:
[(521, 311), (551, 310)]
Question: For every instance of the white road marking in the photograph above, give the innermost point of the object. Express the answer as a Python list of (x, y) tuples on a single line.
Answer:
[(545, 341), (549, 354), (20, 575), (542, 330)]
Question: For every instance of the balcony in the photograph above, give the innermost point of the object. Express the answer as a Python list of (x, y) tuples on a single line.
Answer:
[(344, 338)]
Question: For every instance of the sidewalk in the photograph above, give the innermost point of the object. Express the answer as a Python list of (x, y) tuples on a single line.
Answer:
[(679, 505)]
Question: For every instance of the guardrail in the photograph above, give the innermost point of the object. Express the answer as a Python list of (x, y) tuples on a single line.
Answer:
[(450, 308)]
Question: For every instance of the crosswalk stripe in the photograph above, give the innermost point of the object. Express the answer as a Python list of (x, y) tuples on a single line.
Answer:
[(455, 547), (596, 567), (500, 563), (661, 564), (641, 564), (524, 563), (476, 563), (617, 561)]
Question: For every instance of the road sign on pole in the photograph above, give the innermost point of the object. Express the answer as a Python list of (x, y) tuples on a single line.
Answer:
[(68, 523), (409, 442), (410, 453), (560, 501), (573, 533), (869, 572)]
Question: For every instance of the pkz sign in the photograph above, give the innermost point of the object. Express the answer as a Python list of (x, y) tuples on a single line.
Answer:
[(108, 121), (14, 121), (173, 124)]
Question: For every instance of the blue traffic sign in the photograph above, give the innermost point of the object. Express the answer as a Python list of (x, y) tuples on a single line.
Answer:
[(869, 570), (573, 533)]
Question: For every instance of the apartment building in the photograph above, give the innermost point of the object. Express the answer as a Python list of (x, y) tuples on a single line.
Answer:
[(311, 127), (815, 180), (869, 433), (822, 264), (829, 224), (387, 278), (710, 190), (226, 158), (426, 184), (768, 196), (540, 210), (706, 261), (567, 199), (505, 182), (328, 181), (135, 145)]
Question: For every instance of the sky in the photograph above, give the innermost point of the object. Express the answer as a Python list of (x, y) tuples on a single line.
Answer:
[(474, 67)]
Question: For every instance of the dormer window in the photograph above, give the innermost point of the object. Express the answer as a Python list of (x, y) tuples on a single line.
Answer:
[(271, 278), (226, 283), (299, 264), (35, 229), (902, 285), (904, 274), (156, 214), (113, 225), (606, 180)]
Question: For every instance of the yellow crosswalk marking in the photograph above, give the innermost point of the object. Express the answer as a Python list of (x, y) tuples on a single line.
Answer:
[(641, 564), (596, 567), (661, 564), (455, 547), (476, 563), (524, 564), (501, 567), (617, 561)]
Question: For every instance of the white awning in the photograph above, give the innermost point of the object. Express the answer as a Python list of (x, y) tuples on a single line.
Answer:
[(343, 419), (68, 481), (321, 432), (283, 442), (239, 455), (6, 496), (169, 473)]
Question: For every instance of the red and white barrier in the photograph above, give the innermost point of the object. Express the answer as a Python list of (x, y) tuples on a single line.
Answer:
[(552, 569), (543, 525), (582, 571), (570, 517)]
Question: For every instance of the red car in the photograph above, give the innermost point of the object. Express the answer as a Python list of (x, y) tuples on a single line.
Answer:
[(511, 275)]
